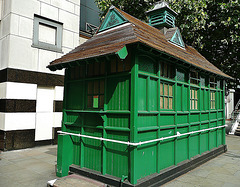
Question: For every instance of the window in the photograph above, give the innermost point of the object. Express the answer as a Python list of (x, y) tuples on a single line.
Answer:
[(212, 100), (213, 83), (117, 66), (47, 34), (194, 77), (95, 69), (89, 17), (193, 99), (95, 94), (167, 70), (166, 96)]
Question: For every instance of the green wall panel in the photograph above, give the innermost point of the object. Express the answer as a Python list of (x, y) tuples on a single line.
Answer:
[(92, 150), (153, 95), (118, 93), (146, 160), (166, 156), (147, 120), (213, 115), (204, 142), (204, 116), (73, 118), (118, 120), (75, 95), (179, 98), (117, 155), (166, 119), (193, 145), (142, 97), (194, 117), (185, 98), (182, 118), (212, 139)]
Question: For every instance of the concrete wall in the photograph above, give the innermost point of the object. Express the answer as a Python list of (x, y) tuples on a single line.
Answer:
[(17, 52)]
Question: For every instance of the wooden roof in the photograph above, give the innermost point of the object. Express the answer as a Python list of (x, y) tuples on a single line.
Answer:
[(135, 31)]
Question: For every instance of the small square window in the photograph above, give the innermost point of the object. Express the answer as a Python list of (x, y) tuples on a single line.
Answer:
[(47, 34)]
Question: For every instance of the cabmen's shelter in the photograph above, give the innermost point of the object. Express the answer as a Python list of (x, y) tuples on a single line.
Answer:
[(140, 106)]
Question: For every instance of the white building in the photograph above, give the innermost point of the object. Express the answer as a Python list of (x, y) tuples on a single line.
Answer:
[(32, 34)]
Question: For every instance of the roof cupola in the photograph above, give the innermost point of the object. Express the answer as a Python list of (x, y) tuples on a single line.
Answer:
[(162, 16)]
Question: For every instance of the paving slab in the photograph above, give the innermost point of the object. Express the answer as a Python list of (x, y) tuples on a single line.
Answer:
[(36, 166)]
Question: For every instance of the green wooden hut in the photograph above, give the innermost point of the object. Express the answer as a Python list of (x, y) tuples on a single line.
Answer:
[(139, 106)]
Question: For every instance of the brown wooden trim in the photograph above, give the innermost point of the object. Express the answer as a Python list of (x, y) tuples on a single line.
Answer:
[(17, 105), (24, 76)]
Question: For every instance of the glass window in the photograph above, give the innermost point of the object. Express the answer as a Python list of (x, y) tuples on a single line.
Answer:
[(47, 34), (95, 94), (166, 96), (212, 100), (213, 83), (95, 69), (194, 77), (193, 99), (167, 70)]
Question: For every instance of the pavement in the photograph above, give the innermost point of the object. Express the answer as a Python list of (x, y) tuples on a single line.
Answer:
[(35, 167)]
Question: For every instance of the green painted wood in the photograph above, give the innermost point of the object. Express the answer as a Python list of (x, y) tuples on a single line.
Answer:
[(122, 53), (177, 39), (132, 112), (113, 19)]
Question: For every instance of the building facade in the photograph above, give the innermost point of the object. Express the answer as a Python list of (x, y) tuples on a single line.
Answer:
[(140, 106), (32, 33)]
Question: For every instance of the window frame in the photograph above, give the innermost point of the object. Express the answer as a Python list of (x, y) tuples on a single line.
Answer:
[(168, 96), (195, 99), (212, 100), (50, 23)]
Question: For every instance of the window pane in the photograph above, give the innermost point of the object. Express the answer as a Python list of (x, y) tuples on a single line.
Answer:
[(165, 89), (90, 69), (162, 69), (165, 102), (170, 90), (196, 94), (192, 94), (120, 66), (90, 102), (101, 101), (161, 102), (47, 34), (90, 87), (196, 104), (96, 68), (101, 86), (165, 70), (192, 106), (161, 89), (113, 66), (170, 103), (96, 87)]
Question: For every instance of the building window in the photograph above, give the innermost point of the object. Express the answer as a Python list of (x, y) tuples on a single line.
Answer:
[(95, 94), (212, 100), (47, 34), (193, 99), (95, 69), (89, 17), (166, 96), (194, 77), (167, 70), (213, 83)]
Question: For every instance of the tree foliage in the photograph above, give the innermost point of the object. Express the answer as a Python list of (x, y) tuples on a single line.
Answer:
[(210, 26)]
